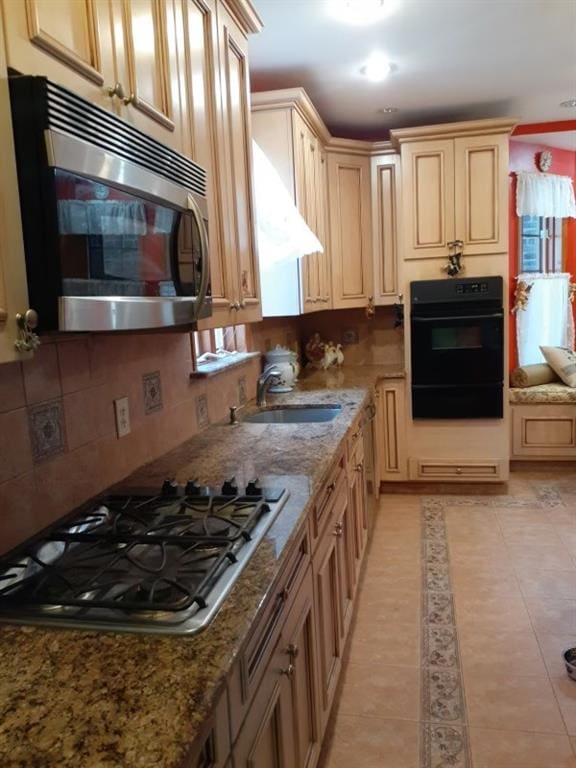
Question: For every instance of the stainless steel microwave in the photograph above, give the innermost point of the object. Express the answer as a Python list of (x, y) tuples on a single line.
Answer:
[(115, 223)]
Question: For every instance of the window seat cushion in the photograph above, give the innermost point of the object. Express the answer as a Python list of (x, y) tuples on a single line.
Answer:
[(543, 393)]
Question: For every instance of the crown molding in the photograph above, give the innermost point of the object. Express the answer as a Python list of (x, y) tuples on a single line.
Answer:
[(292, 98), (246, 15), (401, 136)]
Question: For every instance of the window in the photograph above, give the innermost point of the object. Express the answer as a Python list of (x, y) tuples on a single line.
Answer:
[(542, 244), (218, 343)]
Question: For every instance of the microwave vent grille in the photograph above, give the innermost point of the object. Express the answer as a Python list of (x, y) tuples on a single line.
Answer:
[(75, 116)]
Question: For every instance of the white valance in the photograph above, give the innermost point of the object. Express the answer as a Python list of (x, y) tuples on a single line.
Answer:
[(283, 235), (545, 194)]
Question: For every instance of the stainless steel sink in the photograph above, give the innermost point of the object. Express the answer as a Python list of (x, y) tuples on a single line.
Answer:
[(295, 414)]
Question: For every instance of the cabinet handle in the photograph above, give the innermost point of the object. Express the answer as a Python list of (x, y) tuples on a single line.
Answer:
[(330, 488), (116, 90), (129, 99), (338, 529), (284, 595), (370, 310), (359, 467), (234, 305), (289, 671), (293, 651)]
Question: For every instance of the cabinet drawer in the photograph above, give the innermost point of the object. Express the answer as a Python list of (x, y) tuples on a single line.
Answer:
[(356, 437), (252, 662), (456, 471), (321, 510)]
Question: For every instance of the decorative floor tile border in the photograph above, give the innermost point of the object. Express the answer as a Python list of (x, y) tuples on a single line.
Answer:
[(444, 733)]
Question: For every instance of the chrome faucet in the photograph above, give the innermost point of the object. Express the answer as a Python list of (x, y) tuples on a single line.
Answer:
[(269, 375)]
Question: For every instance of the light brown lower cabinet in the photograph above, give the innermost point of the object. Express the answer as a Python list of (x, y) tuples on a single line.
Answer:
[(281, 699), (282, 728), (390, 430)]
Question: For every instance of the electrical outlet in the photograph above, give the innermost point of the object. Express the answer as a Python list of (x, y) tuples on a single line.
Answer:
[(122, 414)]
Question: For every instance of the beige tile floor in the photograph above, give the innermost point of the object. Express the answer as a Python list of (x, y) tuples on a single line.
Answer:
[(512, 579)]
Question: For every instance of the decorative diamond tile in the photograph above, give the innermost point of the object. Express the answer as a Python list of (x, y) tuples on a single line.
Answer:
[(202, 416), (152, 392), (443, 746), (47, 430), (242, 397)]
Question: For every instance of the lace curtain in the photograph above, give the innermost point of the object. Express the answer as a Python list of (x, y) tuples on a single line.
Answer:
[(545, 194), (283, 235), (547, 319)]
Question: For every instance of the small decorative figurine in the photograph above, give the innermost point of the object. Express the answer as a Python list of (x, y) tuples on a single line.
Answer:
[(571, 292), (454, 266), (315, 350), (339, 355), (521, 296), (545, 160), (330, 355)]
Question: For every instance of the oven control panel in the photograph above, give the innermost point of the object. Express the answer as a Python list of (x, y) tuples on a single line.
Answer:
[(466, 289)]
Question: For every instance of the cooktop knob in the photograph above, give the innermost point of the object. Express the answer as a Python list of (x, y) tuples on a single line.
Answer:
[(169, 488), (230, 487), (193, 489), (254, 488)]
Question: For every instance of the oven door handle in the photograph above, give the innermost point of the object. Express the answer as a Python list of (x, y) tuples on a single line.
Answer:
[(491, 316)]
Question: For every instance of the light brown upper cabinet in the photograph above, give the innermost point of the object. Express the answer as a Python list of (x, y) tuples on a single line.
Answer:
[(235, 156), (349, 207), (385, 204), (13, 288), (290, 132), (454, 186)]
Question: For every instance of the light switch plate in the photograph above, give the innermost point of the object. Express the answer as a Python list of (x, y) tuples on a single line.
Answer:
[(122, 414)]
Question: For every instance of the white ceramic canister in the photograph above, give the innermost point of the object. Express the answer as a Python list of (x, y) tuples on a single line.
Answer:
[(283, 359)]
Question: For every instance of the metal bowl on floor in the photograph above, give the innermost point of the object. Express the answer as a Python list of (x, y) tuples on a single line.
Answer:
[(570, 661)]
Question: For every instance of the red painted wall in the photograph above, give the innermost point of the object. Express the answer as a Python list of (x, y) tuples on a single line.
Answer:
[(523, 157)]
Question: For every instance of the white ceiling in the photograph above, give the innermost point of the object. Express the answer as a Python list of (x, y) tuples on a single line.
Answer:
[(454, 59), (560, 140)]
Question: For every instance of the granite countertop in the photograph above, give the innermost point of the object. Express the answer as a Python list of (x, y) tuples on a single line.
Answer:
[(77, 699)]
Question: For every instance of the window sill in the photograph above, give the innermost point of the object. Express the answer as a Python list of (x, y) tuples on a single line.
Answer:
[(214, 367)]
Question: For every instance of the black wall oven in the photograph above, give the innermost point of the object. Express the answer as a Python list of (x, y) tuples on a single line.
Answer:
[(114, 223), (457, 348)]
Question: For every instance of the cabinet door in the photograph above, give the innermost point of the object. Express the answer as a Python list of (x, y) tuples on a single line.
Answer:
[(358, 502), (350, 230), (322, 205), (301, 650), (69, 41), (385, 202), (147, 56), (345, 534), (236, 159), (266, 739), (391, 430), (481, 193), (198, 106), (428, 198), (13, 288), (327, 601)]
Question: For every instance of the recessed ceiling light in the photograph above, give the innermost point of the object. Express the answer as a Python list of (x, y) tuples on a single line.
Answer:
[(569, 103), (377, 67), (388, 110), (361, 12)]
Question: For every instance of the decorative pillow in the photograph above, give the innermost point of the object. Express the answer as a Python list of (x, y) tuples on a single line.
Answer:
[(532, 375), (563, 361)]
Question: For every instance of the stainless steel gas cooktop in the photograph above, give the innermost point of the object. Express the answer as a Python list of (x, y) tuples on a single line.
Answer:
[(139, 561)]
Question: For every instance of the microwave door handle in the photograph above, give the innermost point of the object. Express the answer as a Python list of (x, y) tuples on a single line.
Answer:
[(442, 318), (198, 218)]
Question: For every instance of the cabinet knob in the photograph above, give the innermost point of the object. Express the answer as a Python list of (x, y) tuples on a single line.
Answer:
[(129, 99), (458, 471), (292, 650), (338, 529), (330, 488), (359, 467), (116, 90), (234, 305), (289, 671), (370, 307)]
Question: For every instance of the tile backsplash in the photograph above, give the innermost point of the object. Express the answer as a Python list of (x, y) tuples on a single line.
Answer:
[(58, 442)]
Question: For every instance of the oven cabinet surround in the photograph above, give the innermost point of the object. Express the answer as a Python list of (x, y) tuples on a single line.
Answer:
[(13, 288), (289, 130), (178, 71), (283, 685), (454, 184)]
